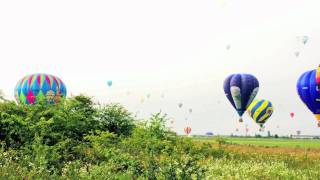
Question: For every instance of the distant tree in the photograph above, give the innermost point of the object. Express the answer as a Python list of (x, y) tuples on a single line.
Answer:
[(269, 134)]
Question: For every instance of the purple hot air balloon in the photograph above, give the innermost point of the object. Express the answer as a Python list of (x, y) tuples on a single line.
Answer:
[(241, 89)]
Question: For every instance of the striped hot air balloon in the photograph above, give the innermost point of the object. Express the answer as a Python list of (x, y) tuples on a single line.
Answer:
[(241, 89), (260, 111), (33, 88), (308, 87), (187, 130)]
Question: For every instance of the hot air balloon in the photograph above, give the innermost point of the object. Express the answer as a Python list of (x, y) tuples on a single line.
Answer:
[(303, 39), (190, 110), (292, 115), (241, 89), (260, 111), (36, 87), (297, 53), (180, 105), (148, 96), (228, 47), (142, 100), (187, 130), (109, 83), (298, 132), (308, 87), (209, 133)]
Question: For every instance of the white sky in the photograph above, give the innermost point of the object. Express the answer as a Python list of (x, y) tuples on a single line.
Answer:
[(174, 47)]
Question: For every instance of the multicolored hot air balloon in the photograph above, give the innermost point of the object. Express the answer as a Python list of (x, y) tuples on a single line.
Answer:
[(308, 87), (187, 130), (33, 88), (241, 89), (260, 111)]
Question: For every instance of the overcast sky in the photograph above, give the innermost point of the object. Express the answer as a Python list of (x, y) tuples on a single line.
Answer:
[(175, 48)]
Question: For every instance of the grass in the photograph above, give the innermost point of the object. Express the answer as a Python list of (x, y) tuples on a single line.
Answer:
[(269, 142), (262, 158)]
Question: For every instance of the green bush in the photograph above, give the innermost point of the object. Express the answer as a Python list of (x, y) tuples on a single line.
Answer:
[(78, 139)]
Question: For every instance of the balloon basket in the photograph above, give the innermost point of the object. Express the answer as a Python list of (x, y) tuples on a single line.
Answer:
[(240, 120)]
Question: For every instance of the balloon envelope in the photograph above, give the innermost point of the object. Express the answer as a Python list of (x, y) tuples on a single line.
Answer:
[(209, 133), (260, 111), (241, 89), (292, 115), (36, 87), (187, 130), (308, 88), (109, 83), (305, 39)]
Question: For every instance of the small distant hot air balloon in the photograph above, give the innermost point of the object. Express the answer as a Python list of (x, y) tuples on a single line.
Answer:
[(297, 53), (305, 39), (187, 130), (228, 47), (172, 120), (36, 87), (190, 110), (241, 89), (148, 95), (237, 130), (209, 133), (298, 132), (247, 130), (142, 100), (260, 111), (109, 83), (308, 87), (292, 115), (180, 105)]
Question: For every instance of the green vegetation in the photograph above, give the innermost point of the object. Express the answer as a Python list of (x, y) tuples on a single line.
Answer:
[(78, 139), (268, 142)]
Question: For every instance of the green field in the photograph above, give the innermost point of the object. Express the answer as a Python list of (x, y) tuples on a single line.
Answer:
[(269, 142)]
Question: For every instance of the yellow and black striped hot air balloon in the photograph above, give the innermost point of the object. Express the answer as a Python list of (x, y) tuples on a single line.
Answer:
[(260, 111)]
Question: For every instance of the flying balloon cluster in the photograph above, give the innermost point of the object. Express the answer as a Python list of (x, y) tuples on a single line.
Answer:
[(241, 90)]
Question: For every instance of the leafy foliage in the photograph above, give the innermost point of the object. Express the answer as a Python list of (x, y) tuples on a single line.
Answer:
[(77, 139)]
